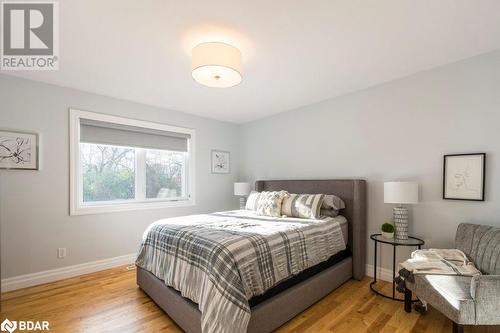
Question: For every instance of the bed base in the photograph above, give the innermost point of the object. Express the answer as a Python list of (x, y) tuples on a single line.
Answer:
[(265, 316)]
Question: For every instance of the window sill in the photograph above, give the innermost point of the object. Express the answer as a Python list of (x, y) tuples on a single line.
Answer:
[(123, 207)]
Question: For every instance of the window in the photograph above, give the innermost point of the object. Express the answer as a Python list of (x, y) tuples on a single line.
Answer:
[(165, 174), (108, 172), (121, 164)]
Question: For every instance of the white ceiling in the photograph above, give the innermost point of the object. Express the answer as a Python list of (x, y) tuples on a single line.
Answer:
[(295, 52)]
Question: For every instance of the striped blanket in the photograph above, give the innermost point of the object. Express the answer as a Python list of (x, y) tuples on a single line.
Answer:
[(221, 260)]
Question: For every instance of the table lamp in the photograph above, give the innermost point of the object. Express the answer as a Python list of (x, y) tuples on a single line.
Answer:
[(242, 190), (401, 193)]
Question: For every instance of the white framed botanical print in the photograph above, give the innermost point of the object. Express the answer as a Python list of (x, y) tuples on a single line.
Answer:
[(220, 161), (18, 150), (464, 176)]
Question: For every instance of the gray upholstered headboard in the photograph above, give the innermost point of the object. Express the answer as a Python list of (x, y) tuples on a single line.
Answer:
[(352, 191)]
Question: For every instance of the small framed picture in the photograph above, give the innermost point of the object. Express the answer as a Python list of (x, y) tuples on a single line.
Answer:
[(464, 176), (220, 161), (18, 150)]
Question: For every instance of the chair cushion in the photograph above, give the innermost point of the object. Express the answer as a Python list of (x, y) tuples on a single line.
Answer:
[(448, 294), (485, 289)]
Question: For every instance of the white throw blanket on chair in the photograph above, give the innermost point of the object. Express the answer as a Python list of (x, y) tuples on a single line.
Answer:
[(434, 261), (440, 261)]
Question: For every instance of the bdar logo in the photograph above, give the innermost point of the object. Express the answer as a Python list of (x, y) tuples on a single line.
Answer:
[(24, 325), (9, 326)]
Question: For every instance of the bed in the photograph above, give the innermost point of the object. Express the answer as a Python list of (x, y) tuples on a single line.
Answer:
[(283, 301)]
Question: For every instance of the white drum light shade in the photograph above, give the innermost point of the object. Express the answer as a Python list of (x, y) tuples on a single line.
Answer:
[(216, 65), (242, 189), (401, 192)]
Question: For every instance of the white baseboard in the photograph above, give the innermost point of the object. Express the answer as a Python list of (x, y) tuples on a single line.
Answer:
[(382, 273), (33, 279)]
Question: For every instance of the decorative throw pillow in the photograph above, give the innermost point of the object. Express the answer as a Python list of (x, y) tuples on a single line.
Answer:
[(252, 199), (329, 212), (333, 202), (302, 205), (269, 203)]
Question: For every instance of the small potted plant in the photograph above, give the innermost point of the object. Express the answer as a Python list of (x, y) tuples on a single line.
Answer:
[(388, 231)]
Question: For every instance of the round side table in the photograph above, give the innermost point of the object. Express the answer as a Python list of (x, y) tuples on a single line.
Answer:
[(378, 238)]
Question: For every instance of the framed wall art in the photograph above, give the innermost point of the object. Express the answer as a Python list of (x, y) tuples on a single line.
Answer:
[(464, 176), (220, 161), (18, 150)]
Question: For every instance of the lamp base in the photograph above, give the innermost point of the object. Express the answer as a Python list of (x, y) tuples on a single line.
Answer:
[(400, 216), (243, 202)]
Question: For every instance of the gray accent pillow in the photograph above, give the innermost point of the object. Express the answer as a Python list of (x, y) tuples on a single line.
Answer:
[(332, 202), (329, 212)]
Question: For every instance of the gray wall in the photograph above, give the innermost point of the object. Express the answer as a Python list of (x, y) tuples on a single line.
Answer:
[(395, 131), (34, 204)]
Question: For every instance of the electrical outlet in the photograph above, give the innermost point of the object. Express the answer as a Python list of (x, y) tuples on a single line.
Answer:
[(61, 252)]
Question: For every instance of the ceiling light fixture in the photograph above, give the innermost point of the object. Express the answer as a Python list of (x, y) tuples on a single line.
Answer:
[(216, 65)]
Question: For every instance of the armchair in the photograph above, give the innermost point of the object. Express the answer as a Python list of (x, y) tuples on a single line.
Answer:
[(466, 300)]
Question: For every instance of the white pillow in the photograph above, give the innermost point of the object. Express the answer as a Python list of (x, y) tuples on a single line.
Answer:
[(269, 203), (252, 199)]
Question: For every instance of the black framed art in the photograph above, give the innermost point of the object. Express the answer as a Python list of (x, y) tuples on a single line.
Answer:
[(18, 150), (464, 176)]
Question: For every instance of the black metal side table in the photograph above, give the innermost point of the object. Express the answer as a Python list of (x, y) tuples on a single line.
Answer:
[(378, 238)]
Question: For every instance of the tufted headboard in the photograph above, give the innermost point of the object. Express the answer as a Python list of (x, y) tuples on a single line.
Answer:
[(352, 191)]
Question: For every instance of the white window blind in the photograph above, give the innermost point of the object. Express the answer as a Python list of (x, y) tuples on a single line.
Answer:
[(120, 164)]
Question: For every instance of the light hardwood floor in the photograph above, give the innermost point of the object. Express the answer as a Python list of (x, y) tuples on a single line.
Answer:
[(110, 301)]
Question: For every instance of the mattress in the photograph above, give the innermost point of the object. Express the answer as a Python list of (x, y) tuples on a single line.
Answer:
[(302, 276), (221, 260)]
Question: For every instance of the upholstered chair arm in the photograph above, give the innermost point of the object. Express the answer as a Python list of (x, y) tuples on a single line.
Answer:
[(485, 290)]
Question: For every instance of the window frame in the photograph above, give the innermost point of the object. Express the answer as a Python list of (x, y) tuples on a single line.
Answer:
[(78, 207)]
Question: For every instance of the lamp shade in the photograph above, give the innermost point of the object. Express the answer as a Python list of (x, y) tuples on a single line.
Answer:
[(216, 65), (401, 192), (242, 189)]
